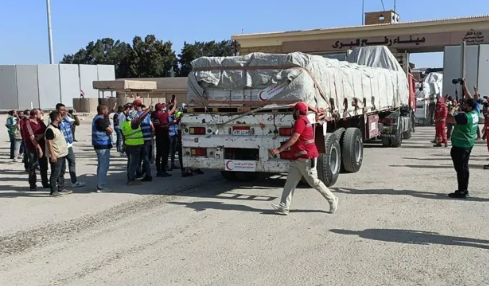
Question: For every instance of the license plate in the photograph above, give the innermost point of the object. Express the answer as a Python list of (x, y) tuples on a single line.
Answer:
[(241, 131)]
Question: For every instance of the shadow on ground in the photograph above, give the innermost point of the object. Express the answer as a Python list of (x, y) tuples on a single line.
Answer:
[(414, 237), (416, 194)]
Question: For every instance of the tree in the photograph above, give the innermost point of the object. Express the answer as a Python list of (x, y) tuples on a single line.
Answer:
[(152, 57), (191, 52), (104, 51), (148, 57)]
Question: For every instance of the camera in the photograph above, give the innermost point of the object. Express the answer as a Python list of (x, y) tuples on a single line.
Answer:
[(458, 80)]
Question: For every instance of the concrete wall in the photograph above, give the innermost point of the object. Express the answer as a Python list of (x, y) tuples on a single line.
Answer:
[(26, 86)]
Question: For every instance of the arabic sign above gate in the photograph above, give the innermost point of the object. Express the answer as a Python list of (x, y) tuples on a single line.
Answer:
[(427, 41), (386, 42)]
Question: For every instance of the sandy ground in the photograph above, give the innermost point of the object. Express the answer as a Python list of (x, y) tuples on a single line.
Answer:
[(394, 226)]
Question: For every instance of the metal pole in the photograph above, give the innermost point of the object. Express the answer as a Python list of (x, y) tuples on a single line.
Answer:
[(363, 12), (395, 2), (50, 32)]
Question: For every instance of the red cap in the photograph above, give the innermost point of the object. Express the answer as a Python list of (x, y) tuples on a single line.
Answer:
[(301, 107), (160, 106), (138, 102)]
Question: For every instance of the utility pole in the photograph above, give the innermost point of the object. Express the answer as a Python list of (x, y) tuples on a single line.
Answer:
[(50, 32), (363, 12)]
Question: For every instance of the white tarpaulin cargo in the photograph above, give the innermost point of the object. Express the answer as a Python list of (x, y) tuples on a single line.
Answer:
[(260, 77)]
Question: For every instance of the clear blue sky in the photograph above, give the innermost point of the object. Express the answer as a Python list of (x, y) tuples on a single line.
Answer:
[(23, 26)]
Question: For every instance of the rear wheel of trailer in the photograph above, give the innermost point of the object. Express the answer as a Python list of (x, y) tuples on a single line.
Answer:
[(329, 163)]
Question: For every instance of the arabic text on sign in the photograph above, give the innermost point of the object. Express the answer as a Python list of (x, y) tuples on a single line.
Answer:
[(386, 42)]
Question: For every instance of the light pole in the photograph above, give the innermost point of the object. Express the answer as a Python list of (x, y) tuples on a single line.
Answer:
[(50, 32)]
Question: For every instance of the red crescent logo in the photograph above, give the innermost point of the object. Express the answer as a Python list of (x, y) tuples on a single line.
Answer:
[(259, 95), (227, 165)]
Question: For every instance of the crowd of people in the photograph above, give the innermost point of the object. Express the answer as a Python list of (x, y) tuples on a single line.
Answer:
[(146, 136)]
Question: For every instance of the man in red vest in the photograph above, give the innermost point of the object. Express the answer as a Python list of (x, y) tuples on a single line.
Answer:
[(305, 153)]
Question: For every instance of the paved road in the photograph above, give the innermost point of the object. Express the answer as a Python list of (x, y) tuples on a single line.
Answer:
[(394, 226)]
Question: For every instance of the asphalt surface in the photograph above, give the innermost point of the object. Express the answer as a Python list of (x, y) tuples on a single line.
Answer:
[(394, 226)]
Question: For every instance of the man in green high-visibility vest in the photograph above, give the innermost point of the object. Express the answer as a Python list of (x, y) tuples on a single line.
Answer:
[(463, 139), (133, 139)]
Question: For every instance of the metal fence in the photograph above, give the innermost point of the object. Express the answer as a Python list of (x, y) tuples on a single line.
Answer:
[(27, 86)]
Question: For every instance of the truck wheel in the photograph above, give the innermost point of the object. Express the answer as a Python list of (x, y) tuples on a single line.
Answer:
[(246, 176), (329, 163), (352, 150), (397, 140), (229, 176), (407, 134), (339, 134)]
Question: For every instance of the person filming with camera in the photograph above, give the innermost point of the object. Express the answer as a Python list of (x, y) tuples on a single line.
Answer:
[(463, 139)]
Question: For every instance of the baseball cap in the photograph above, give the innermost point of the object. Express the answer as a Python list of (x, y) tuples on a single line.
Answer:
[(160, 106), (301, 107), (138, 102)]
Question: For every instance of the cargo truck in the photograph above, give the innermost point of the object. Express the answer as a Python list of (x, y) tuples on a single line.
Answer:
[(240, 107)]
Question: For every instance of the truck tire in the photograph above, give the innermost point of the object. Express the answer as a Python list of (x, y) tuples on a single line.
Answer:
[(407, 134), (339, 134), (329, 163), (246, 176), (228, 176), (352, 150), (397, 140)]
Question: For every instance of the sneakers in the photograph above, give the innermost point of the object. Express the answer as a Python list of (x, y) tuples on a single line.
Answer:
[(437, 145), (199, 172), (104, 190), (486, 167), (333, 206), (78, 185), (65, 192), (459, 195), (55, 194), (281, 209)]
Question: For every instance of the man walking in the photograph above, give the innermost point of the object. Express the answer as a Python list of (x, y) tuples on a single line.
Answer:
[(305, 153), (66, 127), (34, 130), (56, 151), (133, 142), (102, 144), (463, 140)]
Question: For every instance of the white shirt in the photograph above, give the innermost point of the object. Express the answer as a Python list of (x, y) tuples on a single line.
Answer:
[(122, 118), (111, 119)]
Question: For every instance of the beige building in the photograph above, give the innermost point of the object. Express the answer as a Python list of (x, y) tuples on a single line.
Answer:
[(381, 28), (166, 87)]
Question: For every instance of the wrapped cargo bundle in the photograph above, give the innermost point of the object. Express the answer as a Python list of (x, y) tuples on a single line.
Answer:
[(260, 78)]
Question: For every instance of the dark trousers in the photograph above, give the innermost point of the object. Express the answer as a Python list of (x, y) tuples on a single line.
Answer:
[(133, 160), (173, 150), (72, 164), (144, 161), (73, 129), (57, 179), (12, 145), (449, 130), (162, 148), (180, 156), (33, 162), (118, 144), (460, 158)]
